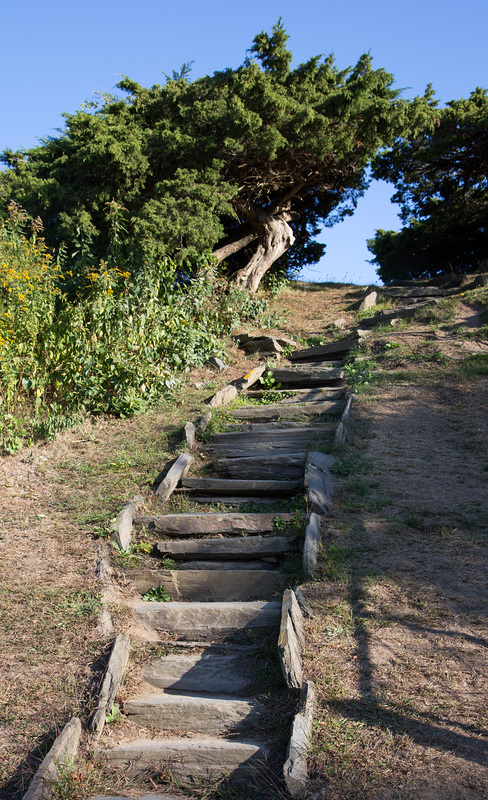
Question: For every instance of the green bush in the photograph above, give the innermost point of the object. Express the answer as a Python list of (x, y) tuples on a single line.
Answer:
[(78, 337)]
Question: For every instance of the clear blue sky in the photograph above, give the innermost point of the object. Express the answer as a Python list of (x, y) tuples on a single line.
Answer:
[(56, 54)]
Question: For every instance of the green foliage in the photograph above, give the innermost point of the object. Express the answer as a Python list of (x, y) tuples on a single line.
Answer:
[(440, 176), (157, 594), (203, 164), (78, 337)]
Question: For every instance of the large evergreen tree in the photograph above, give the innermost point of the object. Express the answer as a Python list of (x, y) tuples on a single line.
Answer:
[(244, 163), (441, 180)]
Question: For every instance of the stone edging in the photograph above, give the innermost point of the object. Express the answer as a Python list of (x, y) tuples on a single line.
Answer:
[(61, 755)]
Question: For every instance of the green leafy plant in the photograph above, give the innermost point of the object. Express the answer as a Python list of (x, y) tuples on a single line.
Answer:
[(158, 594), (114, 715)]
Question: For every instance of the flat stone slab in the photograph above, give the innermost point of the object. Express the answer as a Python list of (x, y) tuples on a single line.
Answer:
[(111, 682), (170, 482), (287, 411), (233, 548), (204, 621), (291, 640), (62, 753), (286, 465), (205, 672), (235, 565), (227, 486), (319, 482), (205, 585), (176, 712), (335, 350), (191, 758), (223, 397), (295, 770), (191, 524), (306, 377), (237, 444)]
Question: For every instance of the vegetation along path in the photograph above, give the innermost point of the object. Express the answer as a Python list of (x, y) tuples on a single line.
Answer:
[(205, 659)]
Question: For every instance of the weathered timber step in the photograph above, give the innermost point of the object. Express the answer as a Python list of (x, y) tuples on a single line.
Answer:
[(136, 797), (330, 392), (205, 621), (191, 759), (205, 672), (272, 412), (244, 547), (236, 444), (177, 712), (192, 524), (334, 350), (307, 376), (286, 465), (235, 502), (264, 564), (224, 486), (204, 585), (284, 424)]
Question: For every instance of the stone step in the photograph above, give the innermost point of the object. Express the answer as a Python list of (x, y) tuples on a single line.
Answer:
[(333, 350), (204, 585), (264, 563), (306, 376), (190, 713), (136, 797), (190, 759), (192, 524), (319, 392), (286, 465), (258, 488), (205, 672), (234, 502), (277, 412), (206, 621), (284, 424), (233, 548)]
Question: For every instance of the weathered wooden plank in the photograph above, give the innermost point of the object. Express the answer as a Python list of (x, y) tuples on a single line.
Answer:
[(335, 350), (311, 545), (191, 524), (346, 414), (266, 413), (170, 482), (285, 434), (319, 482), (284, 465), (111, 682), (284, 424), (225, 486), (306, 377), (227, 548), (295, 770)]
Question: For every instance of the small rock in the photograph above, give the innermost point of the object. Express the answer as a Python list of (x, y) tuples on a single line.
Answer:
[(369, 300), (340, 323), (217, 363)]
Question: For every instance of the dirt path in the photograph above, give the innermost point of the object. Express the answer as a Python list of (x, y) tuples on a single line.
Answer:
[(402, 629)]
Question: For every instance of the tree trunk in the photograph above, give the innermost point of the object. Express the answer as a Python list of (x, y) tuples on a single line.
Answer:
[(276, 236)]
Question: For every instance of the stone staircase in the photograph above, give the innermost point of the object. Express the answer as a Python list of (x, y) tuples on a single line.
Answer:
[(201, 707)]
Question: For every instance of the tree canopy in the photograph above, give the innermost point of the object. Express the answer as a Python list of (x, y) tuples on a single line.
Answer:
[(441, 180), (244, 163)]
